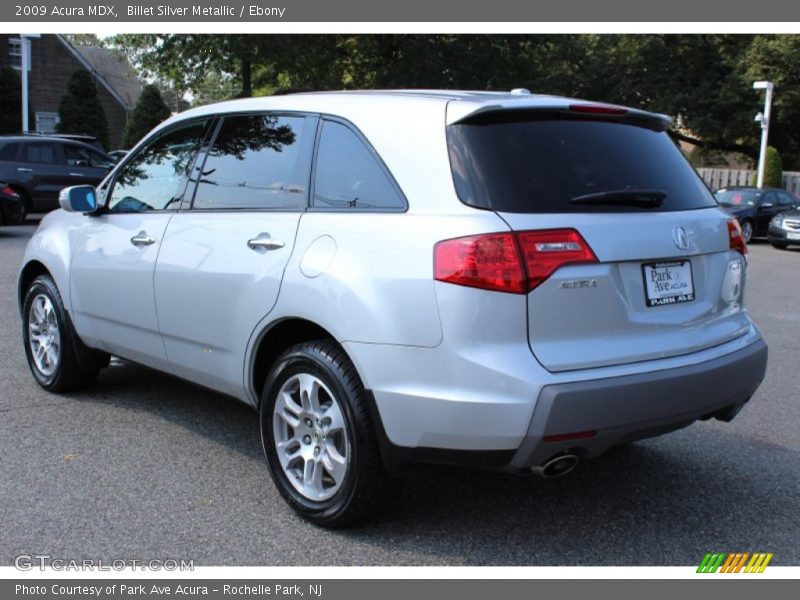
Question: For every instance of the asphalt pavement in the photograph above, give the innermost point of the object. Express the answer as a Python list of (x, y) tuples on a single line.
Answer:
[(144, 466)]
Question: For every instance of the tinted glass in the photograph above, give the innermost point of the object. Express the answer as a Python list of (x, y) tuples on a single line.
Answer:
[(83, 157), (155, 177), (40, 153), (9, 152), (257, 161), (529, 164), (348, 175), (737, 197), (785, 199)]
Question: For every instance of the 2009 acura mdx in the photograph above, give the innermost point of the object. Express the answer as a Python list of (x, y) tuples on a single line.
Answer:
[(493, 279)]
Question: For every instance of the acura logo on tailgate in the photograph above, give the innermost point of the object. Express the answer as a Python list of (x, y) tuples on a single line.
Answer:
[(680, 237)]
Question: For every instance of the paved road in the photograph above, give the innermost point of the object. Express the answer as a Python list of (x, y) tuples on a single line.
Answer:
[(145, 466)]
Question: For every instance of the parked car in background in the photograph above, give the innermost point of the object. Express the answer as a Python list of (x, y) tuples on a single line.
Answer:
[(499, 280), (38, 167), (84, 138), (11, 212), (118, 155), (754, 208), (784, 229)]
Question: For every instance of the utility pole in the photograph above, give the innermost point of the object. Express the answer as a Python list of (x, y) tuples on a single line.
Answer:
[(25, 43), (763, 118)]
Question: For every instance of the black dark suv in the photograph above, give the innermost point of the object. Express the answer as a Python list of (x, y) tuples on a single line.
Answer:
[(37, 167)]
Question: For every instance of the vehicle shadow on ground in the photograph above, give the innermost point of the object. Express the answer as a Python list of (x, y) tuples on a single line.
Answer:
[(216, 417), (663, 501)]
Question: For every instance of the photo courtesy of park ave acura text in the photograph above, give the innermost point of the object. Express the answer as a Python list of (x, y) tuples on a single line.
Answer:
[(418, 299)]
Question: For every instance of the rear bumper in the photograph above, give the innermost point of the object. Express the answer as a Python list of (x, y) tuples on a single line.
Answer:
[(623, 409)]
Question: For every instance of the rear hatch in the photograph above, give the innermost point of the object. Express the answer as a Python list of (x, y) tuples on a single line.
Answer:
[(652, 274)]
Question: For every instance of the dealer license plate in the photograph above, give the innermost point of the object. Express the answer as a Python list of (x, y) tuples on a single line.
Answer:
[(668, 282)]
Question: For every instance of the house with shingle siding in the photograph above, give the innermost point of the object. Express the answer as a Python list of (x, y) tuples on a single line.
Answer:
[(53, 59)]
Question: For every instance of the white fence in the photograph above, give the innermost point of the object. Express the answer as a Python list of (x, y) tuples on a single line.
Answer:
[(720, 178)]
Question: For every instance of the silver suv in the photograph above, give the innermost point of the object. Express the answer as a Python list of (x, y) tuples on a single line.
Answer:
[(501, 280)]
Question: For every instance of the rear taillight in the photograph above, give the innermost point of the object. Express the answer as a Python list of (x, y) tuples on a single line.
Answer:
[(489, 262), (549, 249), (8, 191), (509, 262), (735, 238)]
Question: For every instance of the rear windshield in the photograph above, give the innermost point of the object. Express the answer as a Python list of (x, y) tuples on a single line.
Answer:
[(539, 164), (737, 197)]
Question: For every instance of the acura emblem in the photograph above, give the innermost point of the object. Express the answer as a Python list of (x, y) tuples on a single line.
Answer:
[(680, 237)]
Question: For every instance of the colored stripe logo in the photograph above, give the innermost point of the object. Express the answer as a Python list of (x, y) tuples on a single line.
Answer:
[(734, 562)]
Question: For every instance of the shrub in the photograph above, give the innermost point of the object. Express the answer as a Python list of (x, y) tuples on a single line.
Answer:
[(80, 110), (10, 101), (773, 169), (149, 111)]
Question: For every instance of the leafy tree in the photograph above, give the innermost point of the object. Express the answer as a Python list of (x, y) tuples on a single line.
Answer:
[(775, 58), (10, 101), (214, 87), (85, 39), (704, 81), (149, 111), (773, 169), (80, 110)]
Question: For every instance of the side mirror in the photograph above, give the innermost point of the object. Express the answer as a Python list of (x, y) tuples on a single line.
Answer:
[(78, 198), (81, 163)]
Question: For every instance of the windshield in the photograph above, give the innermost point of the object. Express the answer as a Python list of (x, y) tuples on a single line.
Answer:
[(736, 198), (526, 163)]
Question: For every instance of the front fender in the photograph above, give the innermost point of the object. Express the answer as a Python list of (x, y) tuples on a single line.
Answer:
[(50, 248)]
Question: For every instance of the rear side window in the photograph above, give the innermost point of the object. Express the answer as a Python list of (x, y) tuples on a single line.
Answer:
[(257, 161), (46, 154), (540, 164), (349, 175), (9, 152)]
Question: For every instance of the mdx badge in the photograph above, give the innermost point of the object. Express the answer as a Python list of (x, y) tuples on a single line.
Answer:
[(576, 284)]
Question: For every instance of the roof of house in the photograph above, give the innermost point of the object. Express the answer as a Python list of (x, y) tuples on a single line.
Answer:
[(112, 70)]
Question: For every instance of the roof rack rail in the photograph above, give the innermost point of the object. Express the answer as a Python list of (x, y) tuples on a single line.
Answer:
[(64, 135)]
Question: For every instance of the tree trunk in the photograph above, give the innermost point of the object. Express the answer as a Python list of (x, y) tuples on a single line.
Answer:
[(247, 81)]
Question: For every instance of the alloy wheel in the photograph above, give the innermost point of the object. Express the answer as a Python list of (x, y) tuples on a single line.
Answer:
[(44, 335), (311, 437)]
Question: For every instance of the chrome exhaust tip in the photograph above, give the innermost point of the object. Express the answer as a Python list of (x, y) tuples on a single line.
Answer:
[(557, 466)]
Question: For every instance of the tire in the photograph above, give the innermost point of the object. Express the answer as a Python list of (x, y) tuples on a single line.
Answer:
[(747, 231), (44, 314), (329, 497), (779, 245)]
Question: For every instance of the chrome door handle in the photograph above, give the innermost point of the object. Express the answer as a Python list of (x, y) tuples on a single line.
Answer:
[(142, 239), (24, 170), (264, 242), (77, 174)]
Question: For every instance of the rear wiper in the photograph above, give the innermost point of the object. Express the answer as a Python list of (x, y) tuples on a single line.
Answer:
[(628, 197)]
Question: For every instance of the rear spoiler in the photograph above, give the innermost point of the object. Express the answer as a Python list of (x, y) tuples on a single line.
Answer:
[(465, 111)]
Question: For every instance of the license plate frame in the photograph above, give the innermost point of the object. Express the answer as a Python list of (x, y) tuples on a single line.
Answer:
[(668, 282), (793, 236)]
